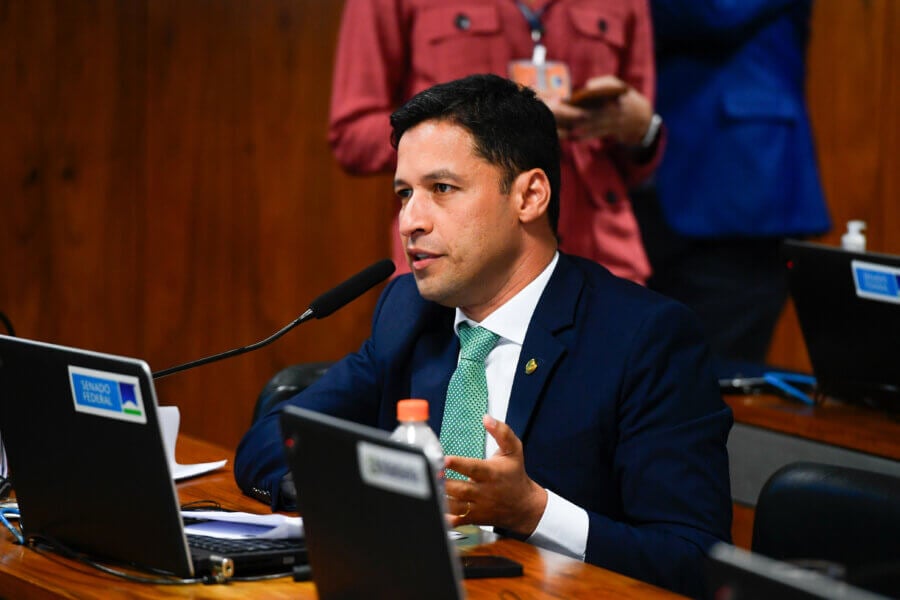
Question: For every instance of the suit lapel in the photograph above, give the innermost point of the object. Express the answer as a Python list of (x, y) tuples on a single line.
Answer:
[(543, 349), (434, 358)]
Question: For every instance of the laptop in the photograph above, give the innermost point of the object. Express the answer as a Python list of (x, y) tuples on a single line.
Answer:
[(89, 467), (737, 574), (372, 517), (848, 306)]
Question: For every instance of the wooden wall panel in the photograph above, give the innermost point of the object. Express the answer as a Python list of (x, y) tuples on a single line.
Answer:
[(167, 192), (71, 162), (237, 107)]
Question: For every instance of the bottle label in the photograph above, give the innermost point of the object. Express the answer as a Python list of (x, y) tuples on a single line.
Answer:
[(394, 470), (876, 282)]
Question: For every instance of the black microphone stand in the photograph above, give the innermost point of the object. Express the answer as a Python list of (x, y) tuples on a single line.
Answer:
[(235, 351)]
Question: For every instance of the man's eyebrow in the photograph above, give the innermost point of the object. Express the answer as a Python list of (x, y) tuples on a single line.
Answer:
[(438, 175), (442, 174)]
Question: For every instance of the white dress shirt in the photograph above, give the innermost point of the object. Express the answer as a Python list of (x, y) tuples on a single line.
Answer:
[(563, 526)]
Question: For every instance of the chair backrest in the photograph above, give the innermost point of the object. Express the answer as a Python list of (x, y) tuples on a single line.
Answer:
[(286, 383), (817, 512)]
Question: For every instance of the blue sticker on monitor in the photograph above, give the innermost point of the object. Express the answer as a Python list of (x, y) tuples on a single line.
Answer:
[(104, 394), (876, 282)]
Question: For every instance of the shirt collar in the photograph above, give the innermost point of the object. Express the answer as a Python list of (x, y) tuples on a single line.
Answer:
[(511, 320)]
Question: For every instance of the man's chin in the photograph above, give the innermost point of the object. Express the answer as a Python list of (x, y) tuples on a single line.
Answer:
[(431, 291)]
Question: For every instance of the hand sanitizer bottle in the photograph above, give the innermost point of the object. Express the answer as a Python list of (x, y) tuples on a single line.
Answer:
[(854, 240)]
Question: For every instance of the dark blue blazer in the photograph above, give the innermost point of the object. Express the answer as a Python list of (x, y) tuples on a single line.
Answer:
[(740, 159), (623, 415)]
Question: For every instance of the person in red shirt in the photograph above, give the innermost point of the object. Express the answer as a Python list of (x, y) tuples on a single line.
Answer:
[(389, 50)]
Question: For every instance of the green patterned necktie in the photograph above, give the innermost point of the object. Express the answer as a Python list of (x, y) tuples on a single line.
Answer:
[(462, 431)]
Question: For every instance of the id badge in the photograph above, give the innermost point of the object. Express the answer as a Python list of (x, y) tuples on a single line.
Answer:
[(550, 78)]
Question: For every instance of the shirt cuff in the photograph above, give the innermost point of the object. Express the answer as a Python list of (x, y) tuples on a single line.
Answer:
[(563, 528), (652, 132)]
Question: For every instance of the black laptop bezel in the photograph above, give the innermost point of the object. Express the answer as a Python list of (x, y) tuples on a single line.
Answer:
[(853, 343), (363, 540)]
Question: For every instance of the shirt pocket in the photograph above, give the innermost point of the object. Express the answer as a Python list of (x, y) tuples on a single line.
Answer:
[(450, 42), (756, 144), (759, 105), (598, 42)]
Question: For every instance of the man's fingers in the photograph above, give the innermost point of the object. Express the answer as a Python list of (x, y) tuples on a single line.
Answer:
[(458, 507), (468, 467), (503, 434)]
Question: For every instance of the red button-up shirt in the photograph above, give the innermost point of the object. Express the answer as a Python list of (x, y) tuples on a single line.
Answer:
[(389, 50)]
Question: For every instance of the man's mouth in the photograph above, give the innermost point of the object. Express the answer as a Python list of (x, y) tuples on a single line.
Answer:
[(419, 260)]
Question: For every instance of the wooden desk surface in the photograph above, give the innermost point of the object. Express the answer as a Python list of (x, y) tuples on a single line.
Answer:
[(832, 422), (25, 573)]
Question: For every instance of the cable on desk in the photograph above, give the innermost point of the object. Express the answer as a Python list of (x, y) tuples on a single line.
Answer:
[(43, 544), (11, 512), (262, 577), (787, 384), (202, 505)]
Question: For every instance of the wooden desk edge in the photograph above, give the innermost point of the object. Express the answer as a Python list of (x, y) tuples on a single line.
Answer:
[(835, 423), (25, 573)]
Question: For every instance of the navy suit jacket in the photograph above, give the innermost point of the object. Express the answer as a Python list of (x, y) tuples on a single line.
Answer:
[(740, 159), (622, 416)]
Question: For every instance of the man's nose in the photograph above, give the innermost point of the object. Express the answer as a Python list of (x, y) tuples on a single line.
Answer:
[(413, 217)]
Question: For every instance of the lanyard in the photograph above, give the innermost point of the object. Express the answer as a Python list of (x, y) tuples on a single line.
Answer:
[(534, 21), (537, 31)]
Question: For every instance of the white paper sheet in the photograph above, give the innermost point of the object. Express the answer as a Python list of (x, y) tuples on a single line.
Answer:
[(233, 525), (169, 420)]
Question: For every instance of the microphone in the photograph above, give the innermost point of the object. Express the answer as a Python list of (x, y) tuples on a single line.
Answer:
[(321, 307)]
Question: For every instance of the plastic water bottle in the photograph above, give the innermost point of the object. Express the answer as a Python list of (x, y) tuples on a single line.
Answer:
[(414, 430)]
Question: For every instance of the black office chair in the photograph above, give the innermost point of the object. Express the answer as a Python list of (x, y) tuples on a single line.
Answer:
[(816, 514), (286, 383)]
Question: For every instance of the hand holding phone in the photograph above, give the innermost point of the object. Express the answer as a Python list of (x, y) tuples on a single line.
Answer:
[(597, 95)]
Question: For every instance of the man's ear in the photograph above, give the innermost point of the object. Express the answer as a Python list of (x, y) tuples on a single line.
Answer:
[(532, 190)]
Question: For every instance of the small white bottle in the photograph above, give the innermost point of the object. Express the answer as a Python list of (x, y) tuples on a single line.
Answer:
[(414, 430), (854, 239)]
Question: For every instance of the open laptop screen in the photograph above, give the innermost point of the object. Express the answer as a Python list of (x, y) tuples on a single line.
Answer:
[(848, 305), (86, 454), (89, 465)]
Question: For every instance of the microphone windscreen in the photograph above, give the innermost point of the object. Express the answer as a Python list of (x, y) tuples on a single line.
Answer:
[(351, 289)]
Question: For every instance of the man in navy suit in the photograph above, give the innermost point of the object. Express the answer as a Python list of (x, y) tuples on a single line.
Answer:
[(605, 429)]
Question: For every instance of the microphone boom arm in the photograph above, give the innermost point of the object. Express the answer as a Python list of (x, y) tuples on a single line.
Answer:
[(234, 352), (319, 308)]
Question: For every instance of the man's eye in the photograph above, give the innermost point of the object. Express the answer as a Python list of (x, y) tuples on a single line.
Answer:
[(442, 188), (403, 193)]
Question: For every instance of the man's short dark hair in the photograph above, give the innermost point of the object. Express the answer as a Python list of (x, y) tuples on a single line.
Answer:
[(512, 128)]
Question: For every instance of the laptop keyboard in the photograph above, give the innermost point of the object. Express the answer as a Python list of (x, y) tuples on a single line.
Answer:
[(251, 556), (229, 546)]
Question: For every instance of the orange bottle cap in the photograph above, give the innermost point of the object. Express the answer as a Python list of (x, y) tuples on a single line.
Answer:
[(412, 410)]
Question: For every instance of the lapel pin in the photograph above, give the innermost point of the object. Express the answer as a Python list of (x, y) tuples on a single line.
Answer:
[(530, 366)]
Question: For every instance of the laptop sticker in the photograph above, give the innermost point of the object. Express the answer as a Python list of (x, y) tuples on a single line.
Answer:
[(104, 394), (876, 282), (393, 470)]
